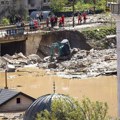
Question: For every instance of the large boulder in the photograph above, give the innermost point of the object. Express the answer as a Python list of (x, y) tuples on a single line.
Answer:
[(34, 58)]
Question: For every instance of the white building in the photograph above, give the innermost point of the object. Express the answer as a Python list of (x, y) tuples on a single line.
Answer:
[(14, 101)]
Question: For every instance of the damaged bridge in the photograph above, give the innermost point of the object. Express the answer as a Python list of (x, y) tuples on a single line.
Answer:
[(12, 40)]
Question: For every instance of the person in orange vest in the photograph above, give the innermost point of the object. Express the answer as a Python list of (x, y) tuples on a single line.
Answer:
[(79, 18), (84, 16)]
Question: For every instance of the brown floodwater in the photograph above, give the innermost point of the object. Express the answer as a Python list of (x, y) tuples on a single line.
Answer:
[(37, 82)]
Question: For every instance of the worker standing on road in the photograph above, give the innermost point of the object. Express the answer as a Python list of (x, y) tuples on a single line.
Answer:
[(63, 20), (47, 22), (79, 18), (52, 21), (84, 16), (56, 19), (60, 22)]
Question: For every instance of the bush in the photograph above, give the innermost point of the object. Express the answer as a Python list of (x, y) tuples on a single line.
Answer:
[(66, 110), (96, 38), (99, 33), (5, 21)]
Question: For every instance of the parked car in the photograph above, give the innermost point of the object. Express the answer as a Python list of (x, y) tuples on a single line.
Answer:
[(44, 13)]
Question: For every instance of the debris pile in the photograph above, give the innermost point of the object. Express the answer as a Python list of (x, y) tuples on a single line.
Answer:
[(83, 63), (102, 18), (17, 60)]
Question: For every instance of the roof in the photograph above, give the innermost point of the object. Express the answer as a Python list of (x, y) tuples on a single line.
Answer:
[(42, 103), (8, 94)]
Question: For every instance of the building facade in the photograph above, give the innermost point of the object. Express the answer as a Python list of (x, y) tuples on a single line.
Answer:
[(11, 100), (29, 5), (19, 103)]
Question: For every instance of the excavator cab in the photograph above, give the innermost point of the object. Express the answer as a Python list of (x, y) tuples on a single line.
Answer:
[(60, 49)]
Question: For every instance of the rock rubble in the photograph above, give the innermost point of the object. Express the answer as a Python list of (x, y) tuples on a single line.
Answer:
[(91, 63), (83, 63)]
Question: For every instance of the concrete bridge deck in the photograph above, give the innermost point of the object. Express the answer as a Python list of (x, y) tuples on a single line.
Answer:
[(12, 33)]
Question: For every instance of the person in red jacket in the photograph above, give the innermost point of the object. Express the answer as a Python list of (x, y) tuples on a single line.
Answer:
[(63, 19), (84, 16), (79, 18), (35, 24), (60, 22)]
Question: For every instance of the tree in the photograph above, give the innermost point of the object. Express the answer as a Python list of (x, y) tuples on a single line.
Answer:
[(73, 110), (57, 5)]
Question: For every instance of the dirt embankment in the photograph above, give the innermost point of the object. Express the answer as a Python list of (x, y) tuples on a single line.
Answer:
[(76, 39)]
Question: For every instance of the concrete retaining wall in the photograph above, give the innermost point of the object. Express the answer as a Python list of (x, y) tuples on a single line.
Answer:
[(32, 44)]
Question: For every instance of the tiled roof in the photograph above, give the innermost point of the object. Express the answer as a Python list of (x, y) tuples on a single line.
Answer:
[(7, 94)]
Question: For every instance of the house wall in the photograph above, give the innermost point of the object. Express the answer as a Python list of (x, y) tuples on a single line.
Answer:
[(13, 106), (27, 4)]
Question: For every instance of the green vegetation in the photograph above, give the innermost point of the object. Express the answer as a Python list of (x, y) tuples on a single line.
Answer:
[(80, 5), (96, 37), (73, 110), (99, 33), (58, 5), (5, 21)]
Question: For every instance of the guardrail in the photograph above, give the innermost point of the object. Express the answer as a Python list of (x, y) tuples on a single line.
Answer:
[(13, 33)]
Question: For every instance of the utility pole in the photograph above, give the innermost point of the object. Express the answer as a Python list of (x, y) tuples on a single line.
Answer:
[(54, 87), (94, 5), (116, 14), (73, 12), (0, 50), (118, 62), (6, 87)]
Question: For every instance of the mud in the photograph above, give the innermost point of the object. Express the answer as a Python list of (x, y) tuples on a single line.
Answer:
[(37, 82)]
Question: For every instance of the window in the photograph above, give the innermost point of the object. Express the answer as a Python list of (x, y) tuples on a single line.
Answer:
[(14, 1), (7, 2), (44, 1), (18, 100), (2, 2)]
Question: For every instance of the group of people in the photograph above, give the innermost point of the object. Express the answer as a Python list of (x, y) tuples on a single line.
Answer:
[(53, 20), (13, 19), (82, 17), (39, 16)]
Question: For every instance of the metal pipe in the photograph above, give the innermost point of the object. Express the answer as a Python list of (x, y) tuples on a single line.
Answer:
[(73, 13), (118, 63), (6, 86)]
